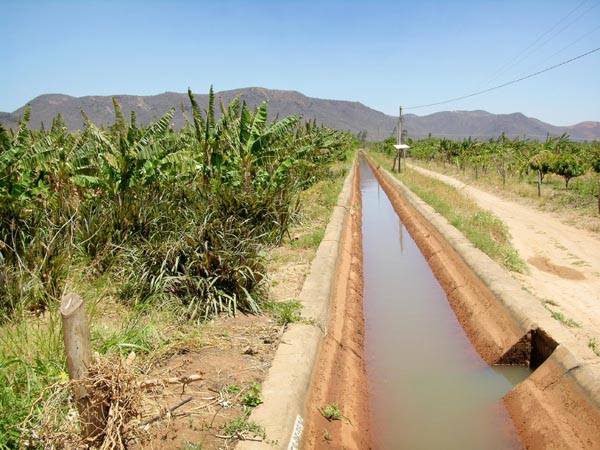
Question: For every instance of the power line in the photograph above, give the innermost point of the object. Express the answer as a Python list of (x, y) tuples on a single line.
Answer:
[(507, 83), (513, 60), (561, 50), (533, 47)]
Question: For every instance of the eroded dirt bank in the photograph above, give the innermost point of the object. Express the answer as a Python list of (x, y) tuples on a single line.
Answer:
[(557, 406), (340, 375)]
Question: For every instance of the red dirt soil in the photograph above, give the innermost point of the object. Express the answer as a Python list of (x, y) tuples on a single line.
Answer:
[(340, 375)]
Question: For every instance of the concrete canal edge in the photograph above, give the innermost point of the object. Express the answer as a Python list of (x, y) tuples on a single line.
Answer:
[(287, 385), (558, 406)]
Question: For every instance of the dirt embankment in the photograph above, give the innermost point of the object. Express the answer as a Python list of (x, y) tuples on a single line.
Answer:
[(551, 412), (340, 376)]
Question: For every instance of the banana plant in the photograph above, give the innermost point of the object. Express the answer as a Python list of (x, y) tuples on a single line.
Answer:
[(126, 163), (253, 144), (206, 137), (12, 182)]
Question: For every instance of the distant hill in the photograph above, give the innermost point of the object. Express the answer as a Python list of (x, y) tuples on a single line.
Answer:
[(343, 115)]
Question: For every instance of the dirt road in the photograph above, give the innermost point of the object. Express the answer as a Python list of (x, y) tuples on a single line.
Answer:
[(563, 261)]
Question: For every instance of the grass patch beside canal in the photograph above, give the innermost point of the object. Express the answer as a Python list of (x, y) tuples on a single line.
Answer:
[(488, 233)]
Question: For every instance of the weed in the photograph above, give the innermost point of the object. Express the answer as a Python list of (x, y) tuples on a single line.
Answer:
[(204, 264), (285, 312), (332, 411), (191, 446), (557, 315), (593, 345), (564, 320), (231, 389), (253, 396), (310, 240), (31, 358), (581, 263), (132, 337), (241, 427), (549, 302)]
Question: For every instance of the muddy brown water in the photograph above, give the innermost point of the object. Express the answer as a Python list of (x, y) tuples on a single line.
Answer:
[(429, 388)]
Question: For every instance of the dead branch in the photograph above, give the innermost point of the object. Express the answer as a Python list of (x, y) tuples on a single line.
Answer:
[(169, 411), (186, 379)]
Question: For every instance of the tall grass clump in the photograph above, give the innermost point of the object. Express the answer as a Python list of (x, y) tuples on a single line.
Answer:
[(31, 360)]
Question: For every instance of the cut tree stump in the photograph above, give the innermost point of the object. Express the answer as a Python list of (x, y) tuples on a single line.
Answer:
[(77, 344)]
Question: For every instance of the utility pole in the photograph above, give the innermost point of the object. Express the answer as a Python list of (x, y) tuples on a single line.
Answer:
[(397, 158), (399, 146), (403, 150), (400, 127)]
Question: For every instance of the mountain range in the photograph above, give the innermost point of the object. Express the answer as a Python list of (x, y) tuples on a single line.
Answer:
[(340, 114)]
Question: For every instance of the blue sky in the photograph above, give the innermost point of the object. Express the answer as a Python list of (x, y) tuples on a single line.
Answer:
[(381, 53)]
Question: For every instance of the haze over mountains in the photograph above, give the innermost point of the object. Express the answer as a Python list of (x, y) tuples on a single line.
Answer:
[(343, 115)]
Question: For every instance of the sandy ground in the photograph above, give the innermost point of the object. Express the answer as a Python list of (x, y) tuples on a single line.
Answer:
[(563, 261)]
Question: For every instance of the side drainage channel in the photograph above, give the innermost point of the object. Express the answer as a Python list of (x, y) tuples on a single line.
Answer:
[(531, 351), (429, 388)]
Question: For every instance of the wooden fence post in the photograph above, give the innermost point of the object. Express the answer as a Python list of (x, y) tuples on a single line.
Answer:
[(77, 345)]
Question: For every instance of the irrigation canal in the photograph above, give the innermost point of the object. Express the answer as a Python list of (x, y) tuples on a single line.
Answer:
[(429, 388)]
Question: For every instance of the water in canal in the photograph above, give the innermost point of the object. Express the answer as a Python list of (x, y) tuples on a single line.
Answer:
[(429, 388)]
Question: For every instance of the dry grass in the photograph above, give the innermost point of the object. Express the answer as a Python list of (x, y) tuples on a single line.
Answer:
[(112, 389), (126, 404), (577, 206)]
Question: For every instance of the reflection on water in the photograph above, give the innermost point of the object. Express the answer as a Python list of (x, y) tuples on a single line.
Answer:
[(429, 388)]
